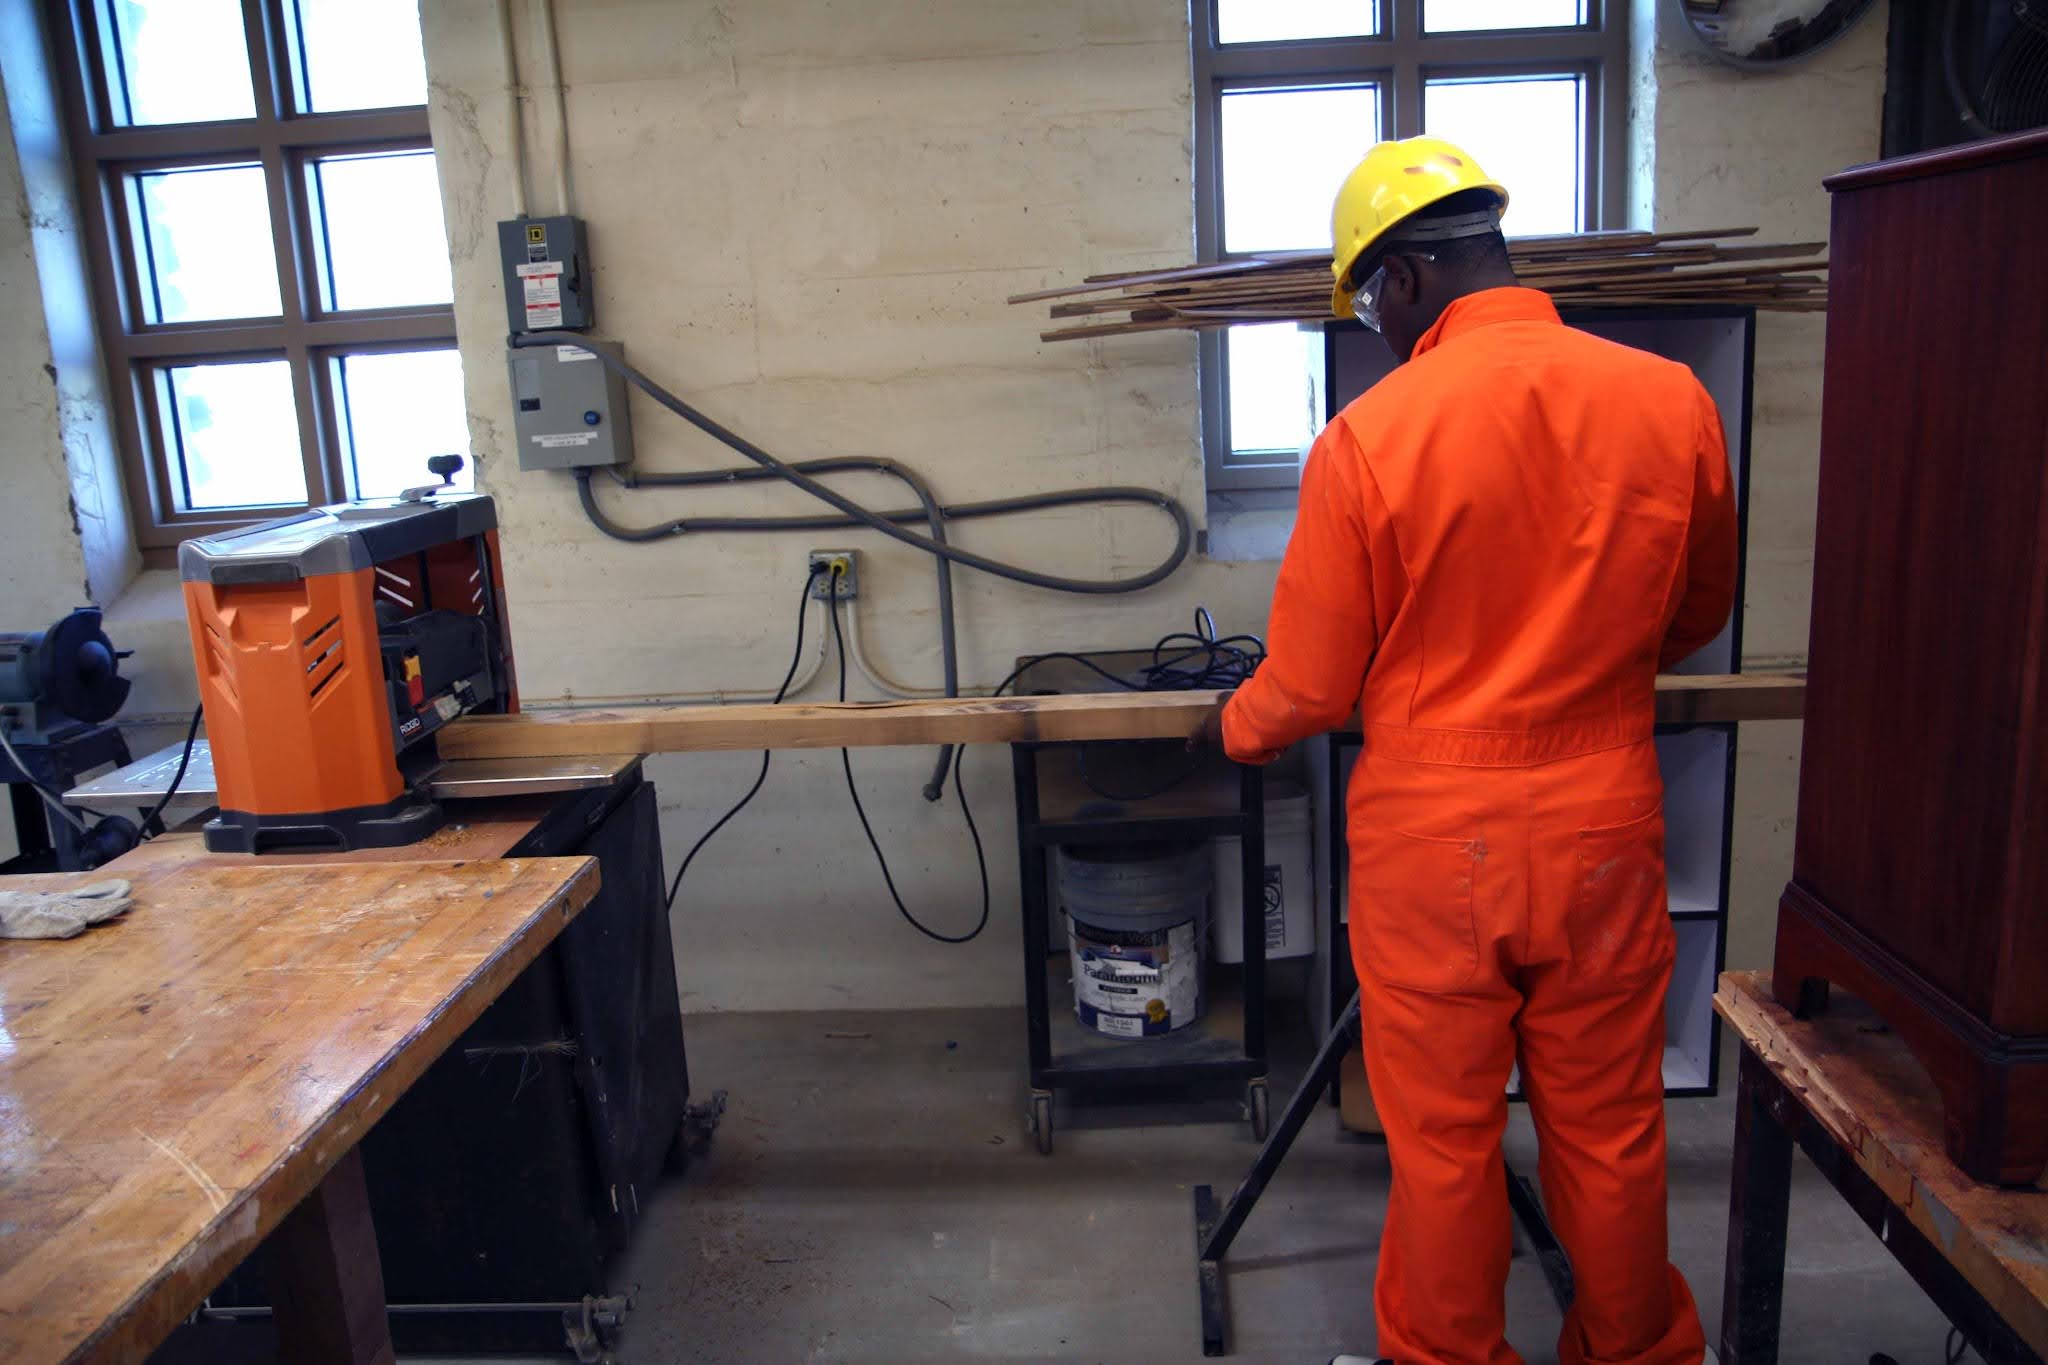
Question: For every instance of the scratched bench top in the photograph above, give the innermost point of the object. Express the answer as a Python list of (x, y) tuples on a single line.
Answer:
[(173, 1083)]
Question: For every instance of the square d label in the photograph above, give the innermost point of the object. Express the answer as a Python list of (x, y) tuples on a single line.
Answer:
[(536, 234)]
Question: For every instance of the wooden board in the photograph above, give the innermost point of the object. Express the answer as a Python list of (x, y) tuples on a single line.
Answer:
[(1710, 698), (1864, 1087), (960, 720), (172, 1084), (1356, 1112), (977, 720)]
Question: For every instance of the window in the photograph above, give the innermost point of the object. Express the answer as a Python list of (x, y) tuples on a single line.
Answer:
[(1289, 95), (269, 266)]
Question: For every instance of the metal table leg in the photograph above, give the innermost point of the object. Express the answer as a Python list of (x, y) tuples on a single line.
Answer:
[(1759, 1197), (1215, 1229), (1215, 1232)]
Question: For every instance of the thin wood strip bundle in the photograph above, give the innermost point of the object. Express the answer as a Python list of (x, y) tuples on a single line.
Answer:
[(1617, 269)]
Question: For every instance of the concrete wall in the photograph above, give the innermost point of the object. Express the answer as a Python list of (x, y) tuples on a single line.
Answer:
[(1714, 147), (50, 209), (805, 215), (59, 509)]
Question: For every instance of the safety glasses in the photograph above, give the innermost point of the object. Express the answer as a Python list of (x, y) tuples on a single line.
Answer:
[(1366, 302)]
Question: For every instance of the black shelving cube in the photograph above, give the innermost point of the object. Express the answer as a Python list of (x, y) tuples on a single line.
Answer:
[(1719, 345)]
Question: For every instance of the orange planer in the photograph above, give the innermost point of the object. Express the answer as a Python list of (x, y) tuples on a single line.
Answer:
[(330, 647)]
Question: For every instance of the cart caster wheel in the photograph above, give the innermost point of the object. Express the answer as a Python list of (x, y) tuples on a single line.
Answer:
[(1257, 1109), (1040, 1121)]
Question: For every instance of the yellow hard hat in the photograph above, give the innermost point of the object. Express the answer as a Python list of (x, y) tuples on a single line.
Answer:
[(1395, 181)]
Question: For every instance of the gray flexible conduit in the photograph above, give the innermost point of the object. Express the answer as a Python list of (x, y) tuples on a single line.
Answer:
[(851, 513), (934, 518), (887, 523)]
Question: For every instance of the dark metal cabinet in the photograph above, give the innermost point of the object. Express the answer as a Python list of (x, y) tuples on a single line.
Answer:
[(506, 1180)]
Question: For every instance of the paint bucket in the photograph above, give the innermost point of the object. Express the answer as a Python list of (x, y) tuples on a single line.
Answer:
[(1137, 933), (1290, 891)]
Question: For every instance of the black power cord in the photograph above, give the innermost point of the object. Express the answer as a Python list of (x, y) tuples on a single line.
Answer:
[(1183, 661), (1224, 663), (152, 824), (888, 879), (51, 796), (803, 603)]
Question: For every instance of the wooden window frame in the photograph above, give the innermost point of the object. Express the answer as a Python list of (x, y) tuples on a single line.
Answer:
[(1400, 60), (283, 140)]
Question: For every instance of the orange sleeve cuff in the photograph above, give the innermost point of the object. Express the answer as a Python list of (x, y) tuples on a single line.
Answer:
[(1241, 739)]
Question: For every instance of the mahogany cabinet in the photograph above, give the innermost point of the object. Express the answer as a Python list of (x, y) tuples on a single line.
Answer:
[(1920, 873)]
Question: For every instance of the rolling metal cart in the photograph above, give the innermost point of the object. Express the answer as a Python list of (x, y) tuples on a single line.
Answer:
[(1061, 801)]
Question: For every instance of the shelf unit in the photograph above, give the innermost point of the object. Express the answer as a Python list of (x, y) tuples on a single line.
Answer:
[(1698, 761), (1060, 801)]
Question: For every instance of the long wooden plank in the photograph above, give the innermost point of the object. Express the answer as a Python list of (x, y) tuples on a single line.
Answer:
[(975, 720), (173, 1083), (1863, 1086), (962, 720)]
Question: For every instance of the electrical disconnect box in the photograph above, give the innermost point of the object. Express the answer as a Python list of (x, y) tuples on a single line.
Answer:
[(569, 407), (547, 274)]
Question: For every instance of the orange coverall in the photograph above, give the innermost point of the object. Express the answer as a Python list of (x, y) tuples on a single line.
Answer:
[(1498, 547)]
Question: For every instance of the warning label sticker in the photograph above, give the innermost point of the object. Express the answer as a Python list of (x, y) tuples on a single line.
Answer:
[(560, 440), (542, 282)]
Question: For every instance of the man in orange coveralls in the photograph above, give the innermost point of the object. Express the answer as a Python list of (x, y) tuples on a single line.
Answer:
[(1498, 547)]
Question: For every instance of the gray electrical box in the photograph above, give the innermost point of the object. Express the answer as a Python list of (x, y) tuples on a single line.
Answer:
[(569, 407), (547, 274)]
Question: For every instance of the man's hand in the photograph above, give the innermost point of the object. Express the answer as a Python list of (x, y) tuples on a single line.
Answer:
[(1209, 734)]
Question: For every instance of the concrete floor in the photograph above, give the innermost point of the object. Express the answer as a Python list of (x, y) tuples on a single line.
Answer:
[(873, 1198)]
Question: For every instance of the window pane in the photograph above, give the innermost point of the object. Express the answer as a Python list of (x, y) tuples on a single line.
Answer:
[(178, 61), (1272, 389), (234, 434), (386, 246), (1285, 152), (397, 409), (1463, 16), (1268, 21), (360, 54), (207, 249), (1529, 134)]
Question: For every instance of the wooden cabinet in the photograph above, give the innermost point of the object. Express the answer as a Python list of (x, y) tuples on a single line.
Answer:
[(1920, 877)]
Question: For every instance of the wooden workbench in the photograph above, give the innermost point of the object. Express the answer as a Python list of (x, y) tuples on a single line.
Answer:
[(1848, 1092), (179, 1083)]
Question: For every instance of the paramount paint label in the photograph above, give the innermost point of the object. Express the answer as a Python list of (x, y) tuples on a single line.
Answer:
[(1135, 984)]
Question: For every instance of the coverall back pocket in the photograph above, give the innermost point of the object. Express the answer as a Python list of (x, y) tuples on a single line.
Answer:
[(1415, 911), (1619, 921)]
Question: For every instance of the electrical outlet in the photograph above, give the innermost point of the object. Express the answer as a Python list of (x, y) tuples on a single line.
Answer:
[(844, 584)]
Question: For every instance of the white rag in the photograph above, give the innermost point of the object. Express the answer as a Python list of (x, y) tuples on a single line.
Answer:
[(60, 914)]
